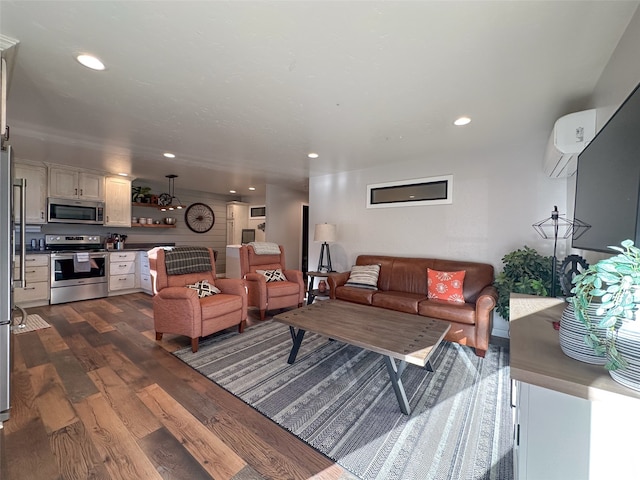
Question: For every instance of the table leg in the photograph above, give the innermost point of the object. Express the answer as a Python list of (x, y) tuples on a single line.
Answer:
[(395, 374), (297, 341), (310, 295)]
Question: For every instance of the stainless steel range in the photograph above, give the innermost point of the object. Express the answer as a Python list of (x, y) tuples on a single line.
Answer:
[(78, 267)]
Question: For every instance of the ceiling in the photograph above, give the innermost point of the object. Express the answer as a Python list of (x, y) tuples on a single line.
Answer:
[(241, 92)]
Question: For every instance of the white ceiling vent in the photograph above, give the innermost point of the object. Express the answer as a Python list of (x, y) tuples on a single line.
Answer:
[(571, 134)]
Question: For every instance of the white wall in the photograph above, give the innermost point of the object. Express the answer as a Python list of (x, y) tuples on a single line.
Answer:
[(284, 221), (618, 79), (497, 196)]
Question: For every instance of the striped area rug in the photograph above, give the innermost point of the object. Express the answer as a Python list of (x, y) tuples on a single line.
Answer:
[(338, 399)]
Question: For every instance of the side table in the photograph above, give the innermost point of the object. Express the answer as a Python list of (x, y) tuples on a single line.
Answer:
[(312, 292)]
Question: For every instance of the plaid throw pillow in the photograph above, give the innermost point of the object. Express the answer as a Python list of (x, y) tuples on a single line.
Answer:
[(364, 276), (273, 275), (204, 288)]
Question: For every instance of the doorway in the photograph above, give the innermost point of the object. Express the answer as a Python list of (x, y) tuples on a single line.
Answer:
[(305, 241)]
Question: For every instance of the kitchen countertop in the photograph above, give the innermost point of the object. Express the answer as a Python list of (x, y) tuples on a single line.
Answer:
[(537, 359)]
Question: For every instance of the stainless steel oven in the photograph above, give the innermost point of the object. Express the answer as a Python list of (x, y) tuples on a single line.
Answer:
[(79, 268)]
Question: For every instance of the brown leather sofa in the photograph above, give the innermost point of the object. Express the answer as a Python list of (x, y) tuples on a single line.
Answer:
[(402, 286)]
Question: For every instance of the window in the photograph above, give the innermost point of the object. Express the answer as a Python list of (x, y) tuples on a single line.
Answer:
[(404, 193), (257, 211)]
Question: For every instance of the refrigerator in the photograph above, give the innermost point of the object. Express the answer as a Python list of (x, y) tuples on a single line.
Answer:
[(8, 186)]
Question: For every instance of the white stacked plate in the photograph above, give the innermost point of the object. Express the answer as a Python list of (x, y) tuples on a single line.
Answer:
[(628, 345), (572, 333)]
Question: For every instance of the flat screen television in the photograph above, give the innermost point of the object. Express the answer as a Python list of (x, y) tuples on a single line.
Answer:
[(607, 199)]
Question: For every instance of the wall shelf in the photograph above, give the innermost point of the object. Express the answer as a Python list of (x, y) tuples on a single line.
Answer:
[(157, 207), (153, 225)]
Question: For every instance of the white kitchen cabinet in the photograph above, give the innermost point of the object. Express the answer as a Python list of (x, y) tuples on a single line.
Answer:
[(237, 219), (146, 282), (73, 183), (571, 420), (122, 272), (117, 204), (37, 275), (36, 206)]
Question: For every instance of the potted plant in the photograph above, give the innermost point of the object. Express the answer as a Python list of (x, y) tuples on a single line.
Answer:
[(614, 284), (525, 271)]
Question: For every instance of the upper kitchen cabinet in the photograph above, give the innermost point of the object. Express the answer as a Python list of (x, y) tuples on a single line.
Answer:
[(36, 207), (71, 183), (117, 205)]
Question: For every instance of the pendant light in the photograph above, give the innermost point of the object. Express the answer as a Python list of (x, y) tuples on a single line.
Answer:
[(167, 199)]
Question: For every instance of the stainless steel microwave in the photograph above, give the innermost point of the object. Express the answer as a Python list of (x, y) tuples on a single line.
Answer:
[(64, 210)]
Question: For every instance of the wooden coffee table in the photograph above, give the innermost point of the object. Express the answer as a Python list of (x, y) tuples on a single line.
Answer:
[(395, 335)]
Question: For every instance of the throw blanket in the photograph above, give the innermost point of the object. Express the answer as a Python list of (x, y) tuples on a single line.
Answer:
[(181, 260), (265, 248)]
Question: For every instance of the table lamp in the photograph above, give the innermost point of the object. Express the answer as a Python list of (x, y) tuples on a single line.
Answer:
[(325, 233)]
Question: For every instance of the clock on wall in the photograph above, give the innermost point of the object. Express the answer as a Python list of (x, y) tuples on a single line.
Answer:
[(199, 217)]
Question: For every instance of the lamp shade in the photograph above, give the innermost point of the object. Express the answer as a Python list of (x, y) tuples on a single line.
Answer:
[(325, 232)]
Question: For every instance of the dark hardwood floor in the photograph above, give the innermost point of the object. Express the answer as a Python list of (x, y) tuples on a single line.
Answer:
[(96, 397)]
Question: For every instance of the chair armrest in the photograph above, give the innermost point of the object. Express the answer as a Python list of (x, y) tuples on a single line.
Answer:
[(178, 293), (337, 280), (256, 290), (296, 276), (232, 286)]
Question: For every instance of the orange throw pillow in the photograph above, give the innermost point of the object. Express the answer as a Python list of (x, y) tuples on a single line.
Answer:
[(445, 285)]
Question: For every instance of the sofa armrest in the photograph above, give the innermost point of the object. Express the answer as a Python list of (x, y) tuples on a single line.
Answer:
[(486, 302), (337, 280)]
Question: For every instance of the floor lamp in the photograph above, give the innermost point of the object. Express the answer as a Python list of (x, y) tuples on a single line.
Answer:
[(325, 233), (555, 227)]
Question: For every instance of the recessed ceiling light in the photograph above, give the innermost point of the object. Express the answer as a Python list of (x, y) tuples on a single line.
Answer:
[(462, 121), (169, 155), (232, 191), (91, 62), (123, 174), (252, 188), (313, 155)]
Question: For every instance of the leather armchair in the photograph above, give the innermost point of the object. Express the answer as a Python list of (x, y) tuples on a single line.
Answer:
[(270, 295), (178, 310)]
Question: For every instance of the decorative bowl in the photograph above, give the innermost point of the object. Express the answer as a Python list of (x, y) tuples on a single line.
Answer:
[(170, 220)]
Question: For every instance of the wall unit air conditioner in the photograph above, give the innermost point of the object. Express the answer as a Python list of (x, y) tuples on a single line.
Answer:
[(571, 134)]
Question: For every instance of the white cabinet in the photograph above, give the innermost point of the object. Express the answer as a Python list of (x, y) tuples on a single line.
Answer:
[(36, 206), (146, 283), (122, 271), (237, 219), (72, 183), (117, 203), (571, 420), (37, 275)]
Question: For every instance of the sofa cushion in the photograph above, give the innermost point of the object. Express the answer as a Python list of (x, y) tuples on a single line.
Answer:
[(204, 288), (364, 276), (273, 275), (449, 311), (356, 295), (399, 301), (445, 285)]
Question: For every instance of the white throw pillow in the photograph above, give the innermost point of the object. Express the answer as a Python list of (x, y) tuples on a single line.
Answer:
[(204, 288), (273, 275), (364, 276)]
